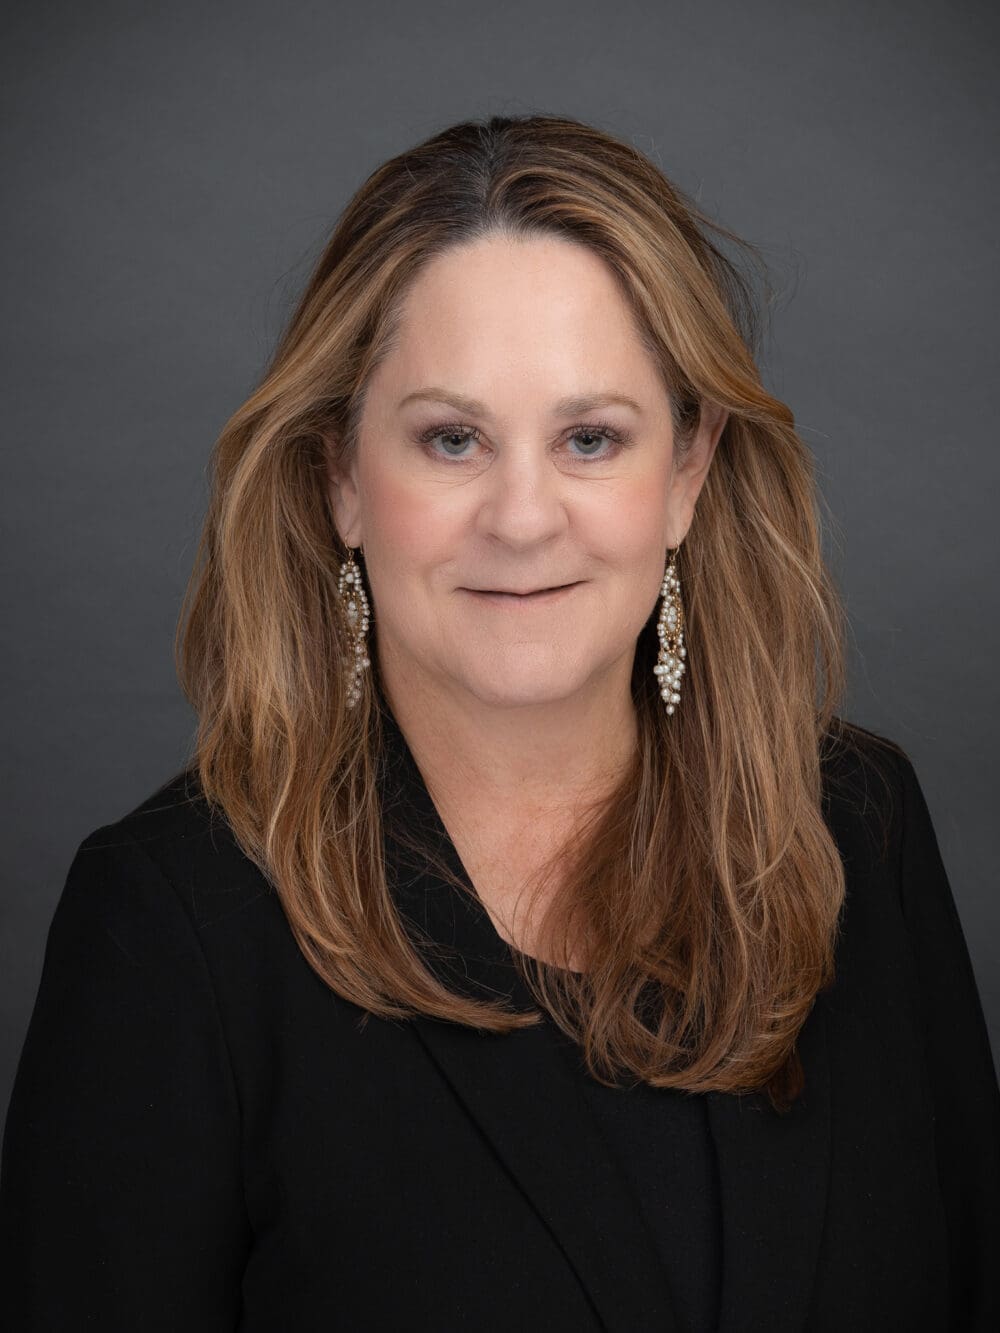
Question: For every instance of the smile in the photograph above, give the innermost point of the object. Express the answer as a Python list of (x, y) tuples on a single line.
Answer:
[(543, 597)]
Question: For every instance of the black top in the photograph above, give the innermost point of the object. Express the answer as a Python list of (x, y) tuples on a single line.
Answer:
[(202, 1136), (661, 1139), (658, 1137)]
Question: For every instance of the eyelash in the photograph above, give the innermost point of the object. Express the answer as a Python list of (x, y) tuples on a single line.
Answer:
[(621, 439)]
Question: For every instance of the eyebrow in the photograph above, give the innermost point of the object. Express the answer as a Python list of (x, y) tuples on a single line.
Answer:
[(565, 407)]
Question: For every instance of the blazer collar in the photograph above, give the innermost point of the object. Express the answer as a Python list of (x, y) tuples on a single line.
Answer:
[(773, 1169)]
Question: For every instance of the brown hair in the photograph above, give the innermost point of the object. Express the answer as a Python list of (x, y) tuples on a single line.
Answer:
[(709, 887)]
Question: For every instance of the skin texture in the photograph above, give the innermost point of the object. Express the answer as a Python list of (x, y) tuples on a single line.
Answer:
[(515, 710)]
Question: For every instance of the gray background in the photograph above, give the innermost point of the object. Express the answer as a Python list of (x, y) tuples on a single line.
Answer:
[(171, 173)]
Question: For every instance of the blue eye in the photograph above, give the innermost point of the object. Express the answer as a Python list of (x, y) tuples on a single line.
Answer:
[(461, 435), (594, 433)]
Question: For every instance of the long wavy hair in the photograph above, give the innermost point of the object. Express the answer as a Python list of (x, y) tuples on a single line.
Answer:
[(708, 887)]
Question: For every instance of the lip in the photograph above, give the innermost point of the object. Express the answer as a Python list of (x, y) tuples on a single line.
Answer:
[(544, 597)]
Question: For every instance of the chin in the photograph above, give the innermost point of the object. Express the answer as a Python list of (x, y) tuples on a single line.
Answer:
[(520, 685)]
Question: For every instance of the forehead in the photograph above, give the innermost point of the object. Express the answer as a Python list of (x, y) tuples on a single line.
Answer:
[(542, 309)]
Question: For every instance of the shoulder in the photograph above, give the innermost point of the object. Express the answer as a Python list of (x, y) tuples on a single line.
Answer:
[(171, 854), (865, 780), (875, 807), (860, 764)]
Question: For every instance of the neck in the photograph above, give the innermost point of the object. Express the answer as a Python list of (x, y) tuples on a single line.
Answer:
[(527, 757)]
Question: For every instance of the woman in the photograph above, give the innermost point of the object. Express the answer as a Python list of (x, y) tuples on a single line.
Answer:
[(529, 944)]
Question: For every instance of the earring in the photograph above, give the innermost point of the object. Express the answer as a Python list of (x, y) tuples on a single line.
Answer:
[(670, 665), (352, 594)]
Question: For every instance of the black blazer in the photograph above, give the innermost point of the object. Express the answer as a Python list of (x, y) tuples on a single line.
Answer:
[(203, 1137)]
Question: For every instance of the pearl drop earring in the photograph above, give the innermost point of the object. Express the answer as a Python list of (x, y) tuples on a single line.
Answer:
[(355, 601), (670, 665)]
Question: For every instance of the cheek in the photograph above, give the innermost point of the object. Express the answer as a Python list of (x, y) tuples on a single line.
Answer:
[(631, 523), (410, 527), (637, 552)]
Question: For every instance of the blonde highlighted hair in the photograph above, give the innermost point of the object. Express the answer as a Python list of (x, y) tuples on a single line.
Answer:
[(708, 887)]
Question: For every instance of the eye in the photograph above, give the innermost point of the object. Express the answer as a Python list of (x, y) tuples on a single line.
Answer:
[(456, 437), (602, 431), (453, 435)]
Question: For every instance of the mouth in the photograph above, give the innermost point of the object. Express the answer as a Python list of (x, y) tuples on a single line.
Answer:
[(536, 596)]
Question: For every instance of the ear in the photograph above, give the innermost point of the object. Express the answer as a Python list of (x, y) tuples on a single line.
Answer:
[(690, 470), (344, 493)]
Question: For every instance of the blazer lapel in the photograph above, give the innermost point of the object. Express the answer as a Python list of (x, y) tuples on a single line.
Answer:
[(522, 1095), (773, 1169), (524, 1101), (773, 1173)]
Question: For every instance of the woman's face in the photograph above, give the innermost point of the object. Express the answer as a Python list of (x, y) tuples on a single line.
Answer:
[(496, 458)]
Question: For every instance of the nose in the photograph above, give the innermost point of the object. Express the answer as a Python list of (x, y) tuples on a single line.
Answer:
[(523, 500)]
